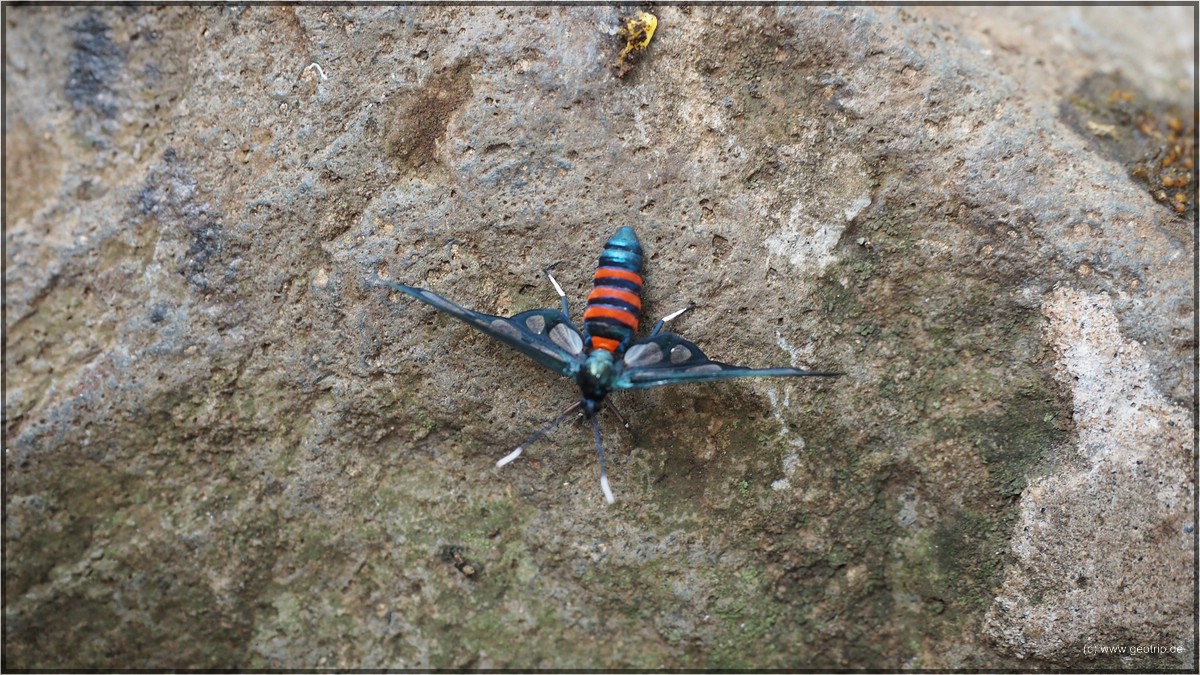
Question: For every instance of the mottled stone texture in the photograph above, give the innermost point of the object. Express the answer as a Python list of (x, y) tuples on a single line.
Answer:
[(224, 446)]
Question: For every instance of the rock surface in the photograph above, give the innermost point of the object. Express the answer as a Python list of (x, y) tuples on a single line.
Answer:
[(225, 447)]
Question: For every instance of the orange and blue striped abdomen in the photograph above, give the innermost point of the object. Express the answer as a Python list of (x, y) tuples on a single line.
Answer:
[(615, 304)]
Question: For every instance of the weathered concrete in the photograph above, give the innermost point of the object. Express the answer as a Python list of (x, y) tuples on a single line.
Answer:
[(224, 447)]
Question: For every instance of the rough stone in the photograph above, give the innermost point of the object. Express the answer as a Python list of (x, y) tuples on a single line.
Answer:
[(1098, 542), (225, 446)]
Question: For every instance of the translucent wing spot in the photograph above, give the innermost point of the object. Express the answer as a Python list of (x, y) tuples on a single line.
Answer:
[(438, 301), (706, 368), (643, 355), (506, 329), (536, 323), (679, 354), (564, 337)]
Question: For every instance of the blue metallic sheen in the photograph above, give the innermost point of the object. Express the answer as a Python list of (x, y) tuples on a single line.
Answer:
[(623, 250)]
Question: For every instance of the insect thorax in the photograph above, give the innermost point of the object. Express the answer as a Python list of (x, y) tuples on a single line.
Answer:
[(596, 379)]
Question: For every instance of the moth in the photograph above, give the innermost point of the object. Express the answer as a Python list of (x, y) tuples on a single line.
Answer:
[(605, 356)]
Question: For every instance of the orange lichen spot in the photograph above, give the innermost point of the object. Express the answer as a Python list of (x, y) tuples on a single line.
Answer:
[(1120, 96), (1156, 139)]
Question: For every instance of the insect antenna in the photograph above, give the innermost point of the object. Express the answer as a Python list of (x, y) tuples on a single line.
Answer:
[(540, 432), (600, 451), (558, 289)]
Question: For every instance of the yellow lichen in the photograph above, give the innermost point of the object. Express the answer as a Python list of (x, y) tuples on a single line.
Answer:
[(638, 31)]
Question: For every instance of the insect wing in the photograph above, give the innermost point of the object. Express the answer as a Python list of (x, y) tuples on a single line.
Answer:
[(669, 359), (544, 335)]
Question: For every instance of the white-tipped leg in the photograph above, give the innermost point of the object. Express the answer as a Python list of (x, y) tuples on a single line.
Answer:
[(674, 314), (538, 434), (608, 495), (663, 321), (558, 289), (510, 456)]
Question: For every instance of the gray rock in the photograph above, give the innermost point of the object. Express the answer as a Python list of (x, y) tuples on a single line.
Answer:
[(225, 446)]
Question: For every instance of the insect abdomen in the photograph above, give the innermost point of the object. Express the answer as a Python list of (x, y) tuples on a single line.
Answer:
[(615, 304)]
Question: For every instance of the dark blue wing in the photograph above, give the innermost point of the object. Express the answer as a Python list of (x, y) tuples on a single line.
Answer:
[(669, 359), (544, 335)]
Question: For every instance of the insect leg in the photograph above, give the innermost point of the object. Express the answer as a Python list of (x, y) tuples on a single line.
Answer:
[(608, 402), (541, 432), (600, 451), (661, 322), (558, 288)]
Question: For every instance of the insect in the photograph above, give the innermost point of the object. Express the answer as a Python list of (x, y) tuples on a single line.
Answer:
[(605, 356)]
